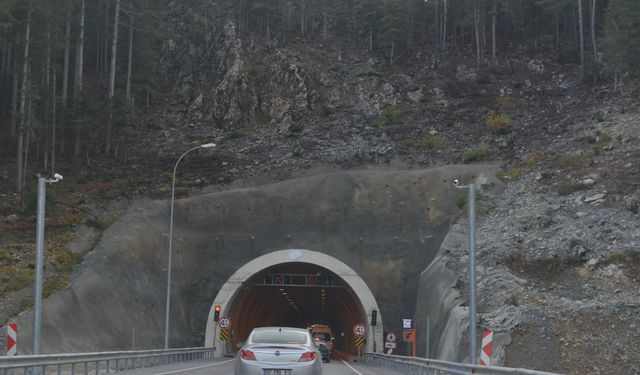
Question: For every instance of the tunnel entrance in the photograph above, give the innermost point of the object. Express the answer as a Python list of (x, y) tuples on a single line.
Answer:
[(295, 288), (298, 295)]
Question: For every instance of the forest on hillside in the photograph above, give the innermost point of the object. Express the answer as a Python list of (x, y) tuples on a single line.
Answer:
[(75, 75)]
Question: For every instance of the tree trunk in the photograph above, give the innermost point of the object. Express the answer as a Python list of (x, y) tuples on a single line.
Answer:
[(476, 25), (324, 27), (52, 154), (129, 59), (444, 30), (391, 57), (593, 40), (14, 100), (268, 29), (77, 82), (26, 142), (206, 24), (47, 84), (557, 33), (23, 103), (6, 77), (65, 67), (105, 51), (581, 37), (494, 18), (302, 25), (98, 38), (112, 78), (436, 31)]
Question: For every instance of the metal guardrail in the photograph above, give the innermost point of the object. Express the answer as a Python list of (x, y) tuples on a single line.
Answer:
[(98, 363), (421, 366)]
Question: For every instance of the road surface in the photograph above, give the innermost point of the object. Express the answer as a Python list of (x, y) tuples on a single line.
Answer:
[(224, 366)]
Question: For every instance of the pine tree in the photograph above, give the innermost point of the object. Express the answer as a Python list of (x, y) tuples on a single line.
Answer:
[(621, 41)]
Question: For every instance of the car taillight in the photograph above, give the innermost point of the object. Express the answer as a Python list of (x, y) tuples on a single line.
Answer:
[(247, 354), (307, 356)]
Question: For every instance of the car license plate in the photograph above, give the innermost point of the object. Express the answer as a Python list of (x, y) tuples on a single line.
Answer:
[(276, 371)]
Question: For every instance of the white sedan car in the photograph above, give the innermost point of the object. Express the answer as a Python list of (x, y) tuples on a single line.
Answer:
[(279, 351)]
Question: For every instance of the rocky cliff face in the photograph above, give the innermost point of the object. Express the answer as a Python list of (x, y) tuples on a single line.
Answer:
[(558, 248)]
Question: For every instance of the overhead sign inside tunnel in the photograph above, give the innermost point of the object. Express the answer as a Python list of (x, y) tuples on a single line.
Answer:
[(319, 279)]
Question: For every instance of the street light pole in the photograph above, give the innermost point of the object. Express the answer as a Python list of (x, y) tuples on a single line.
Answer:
[(472, 273), (37, 304), (173, 188), (471, 202)]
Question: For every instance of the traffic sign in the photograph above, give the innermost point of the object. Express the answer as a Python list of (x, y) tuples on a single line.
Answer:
[(359, 342), (391, 337), (12, 339), (390, 345), (359, 330), (224, 322), (409, 335), (407, 323), (224, 335)]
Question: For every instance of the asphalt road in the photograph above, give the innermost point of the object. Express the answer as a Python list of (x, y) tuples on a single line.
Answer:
[(224, 366)]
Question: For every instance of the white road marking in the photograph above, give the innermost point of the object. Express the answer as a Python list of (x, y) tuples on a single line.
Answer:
[(195, 368), (349, 366)]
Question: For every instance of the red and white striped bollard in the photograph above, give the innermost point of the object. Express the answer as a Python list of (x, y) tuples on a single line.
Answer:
[(12, 339), (487, 347)]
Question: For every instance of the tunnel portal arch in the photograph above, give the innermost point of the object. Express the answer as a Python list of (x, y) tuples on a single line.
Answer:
[(238, 281)]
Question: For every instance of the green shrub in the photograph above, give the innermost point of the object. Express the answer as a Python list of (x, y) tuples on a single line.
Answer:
[(461, 202), (599, 138), (104, 222), (566, 189), (31, 200), (296, 127), (509, 103), (498, 122), (379, 122), (392, 112), (18, 279), (434, 141), (234, 134), (544, 269), (570, 161), (476, 155), (389, 115)]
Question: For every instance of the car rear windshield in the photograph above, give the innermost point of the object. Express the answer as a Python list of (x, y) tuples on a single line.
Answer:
[(322, 336), (279, 337)]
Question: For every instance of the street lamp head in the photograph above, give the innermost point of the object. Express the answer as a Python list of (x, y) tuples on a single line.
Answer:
[(208, 145)]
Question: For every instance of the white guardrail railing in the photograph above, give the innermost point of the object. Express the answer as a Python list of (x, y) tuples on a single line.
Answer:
[(421, 366), (97, 363)]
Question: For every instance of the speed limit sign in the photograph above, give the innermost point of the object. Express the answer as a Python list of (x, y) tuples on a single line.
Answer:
[(359, 330), (224, 322), (391, 337)]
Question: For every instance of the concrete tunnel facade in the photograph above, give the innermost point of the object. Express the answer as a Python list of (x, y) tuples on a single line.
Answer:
[(350, 305), (376, 231)]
